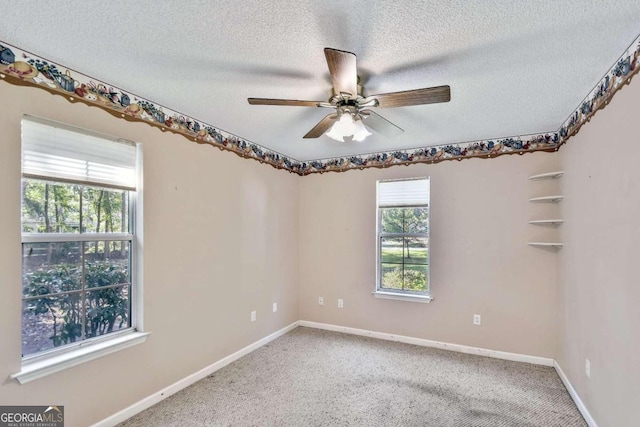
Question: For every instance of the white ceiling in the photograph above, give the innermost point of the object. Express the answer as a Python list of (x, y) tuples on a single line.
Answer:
[(514, 67)]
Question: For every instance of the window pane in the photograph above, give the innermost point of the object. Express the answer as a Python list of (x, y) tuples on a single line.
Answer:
[(391, 250), (391, 276), (404, 220), (50, 268), (50, 207), (415, 278), (416, 220), (415, 250), (392, 220), (106, 263), (408, 277), (50, 322), (108, 310), (105, 211)]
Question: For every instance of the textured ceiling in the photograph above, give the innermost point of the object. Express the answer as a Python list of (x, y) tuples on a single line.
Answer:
[(515, 68)]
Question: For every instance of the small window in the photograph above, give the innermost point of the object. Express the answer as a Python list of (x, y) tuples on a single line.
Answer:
[(403, 238), (78, 236)]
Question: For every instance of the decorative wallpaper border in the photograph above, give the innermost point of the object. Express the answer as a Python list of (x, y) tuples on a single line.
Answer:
[(22, 68), (618, 75)]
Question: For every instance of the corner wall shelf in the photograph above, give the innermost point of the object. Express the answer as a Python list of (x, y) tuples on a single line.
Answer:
[(554, 245), (547, 199), (547, 221), (549, 175)]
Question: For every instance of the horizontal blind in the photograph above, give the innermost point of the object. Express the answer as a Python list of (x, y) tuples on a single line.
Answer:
[(412, 192), (52, 151)]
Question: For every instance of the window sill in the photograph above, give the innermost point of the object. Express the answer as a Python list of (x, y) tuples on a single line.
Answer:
[(403, 297), (37, 369)]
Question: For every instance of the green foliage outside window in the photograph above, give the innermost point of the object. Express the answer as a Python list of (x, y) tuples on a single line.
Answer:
[(404, 253), (49, 207), (106, 309), (411, 280), (64, 299)]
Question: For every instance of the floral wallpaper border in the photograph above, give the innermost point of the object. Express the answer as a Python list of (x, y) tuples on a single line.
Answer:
[(22, 68), (618, 75)]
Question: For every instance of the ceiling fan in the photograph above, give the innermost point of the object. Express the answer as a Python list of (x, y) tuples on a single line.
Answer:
[(353, 110)]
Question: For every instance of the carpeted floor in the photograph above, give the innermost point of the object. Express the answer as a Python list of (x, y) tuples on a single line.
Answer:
[(312, 377)]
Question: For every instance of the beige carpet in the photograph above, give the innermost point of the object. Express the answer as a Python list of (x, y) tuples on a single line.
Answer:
[(311, 377)]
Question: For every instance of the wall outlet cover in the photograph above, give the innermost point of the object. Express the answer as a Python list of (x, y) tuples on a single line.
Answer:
[(476, 319)]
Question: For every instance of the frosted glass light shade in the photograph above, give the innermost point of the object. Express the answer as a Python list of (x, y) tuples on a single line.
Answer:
[(347, 127), (361, 132)]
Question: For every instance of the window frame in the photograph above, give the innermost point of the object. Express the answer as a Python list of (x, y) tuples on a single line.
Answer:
[(400, 294), (42, 363), (80, 237)]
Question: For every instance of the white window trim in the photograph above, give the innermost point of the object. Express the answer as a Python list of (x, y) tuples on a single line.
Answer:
[(399, 295), (41, 367), (403, 297), (56, 360)]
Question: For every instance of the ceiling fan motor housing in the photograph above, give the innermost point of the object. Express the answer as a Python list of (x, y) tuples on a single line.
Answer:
[(346, 103)]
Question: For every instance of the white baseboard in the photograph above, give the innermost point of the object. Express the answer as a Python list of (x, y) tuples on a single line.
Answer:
[(185, 382), (574, 395), (436, 344)]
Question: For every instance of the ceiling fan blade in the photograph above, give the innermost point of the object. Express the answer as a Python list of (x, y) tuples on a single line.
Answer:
[(429, 95), (322, 126), (342, 67), (290, 102), (379, 124)]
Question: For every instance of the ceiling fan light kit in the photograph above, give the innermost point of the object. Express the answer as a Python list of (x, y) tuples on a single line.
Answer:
[(347, 127), (352, 109)]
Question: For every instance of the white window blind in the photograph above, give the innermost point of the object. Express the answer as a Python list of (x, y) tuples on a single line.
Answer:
[(413, 192), (51, 150)]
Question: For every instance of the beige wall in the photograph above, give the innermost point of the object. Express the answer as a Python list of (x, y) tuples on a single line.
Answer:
[(480, 260), (220, 240), (224, 236), (599, 278)]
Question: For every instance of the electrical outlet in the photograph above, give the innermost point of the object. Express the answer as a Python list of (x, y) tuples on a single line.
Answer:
[(587, 368), (320, 301), (476, 319), (275, 307), (253, 316), (340, 303)]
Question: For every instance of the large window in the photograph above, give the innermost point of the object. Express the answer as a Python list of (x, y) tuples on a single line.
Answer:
[(403, 237), (78, 236)]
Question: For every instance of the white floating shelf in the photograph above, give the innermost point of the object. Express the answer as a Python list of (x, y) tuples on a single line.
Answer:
[(546, 244), (547, 221), (549, 175), (547, 199)]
